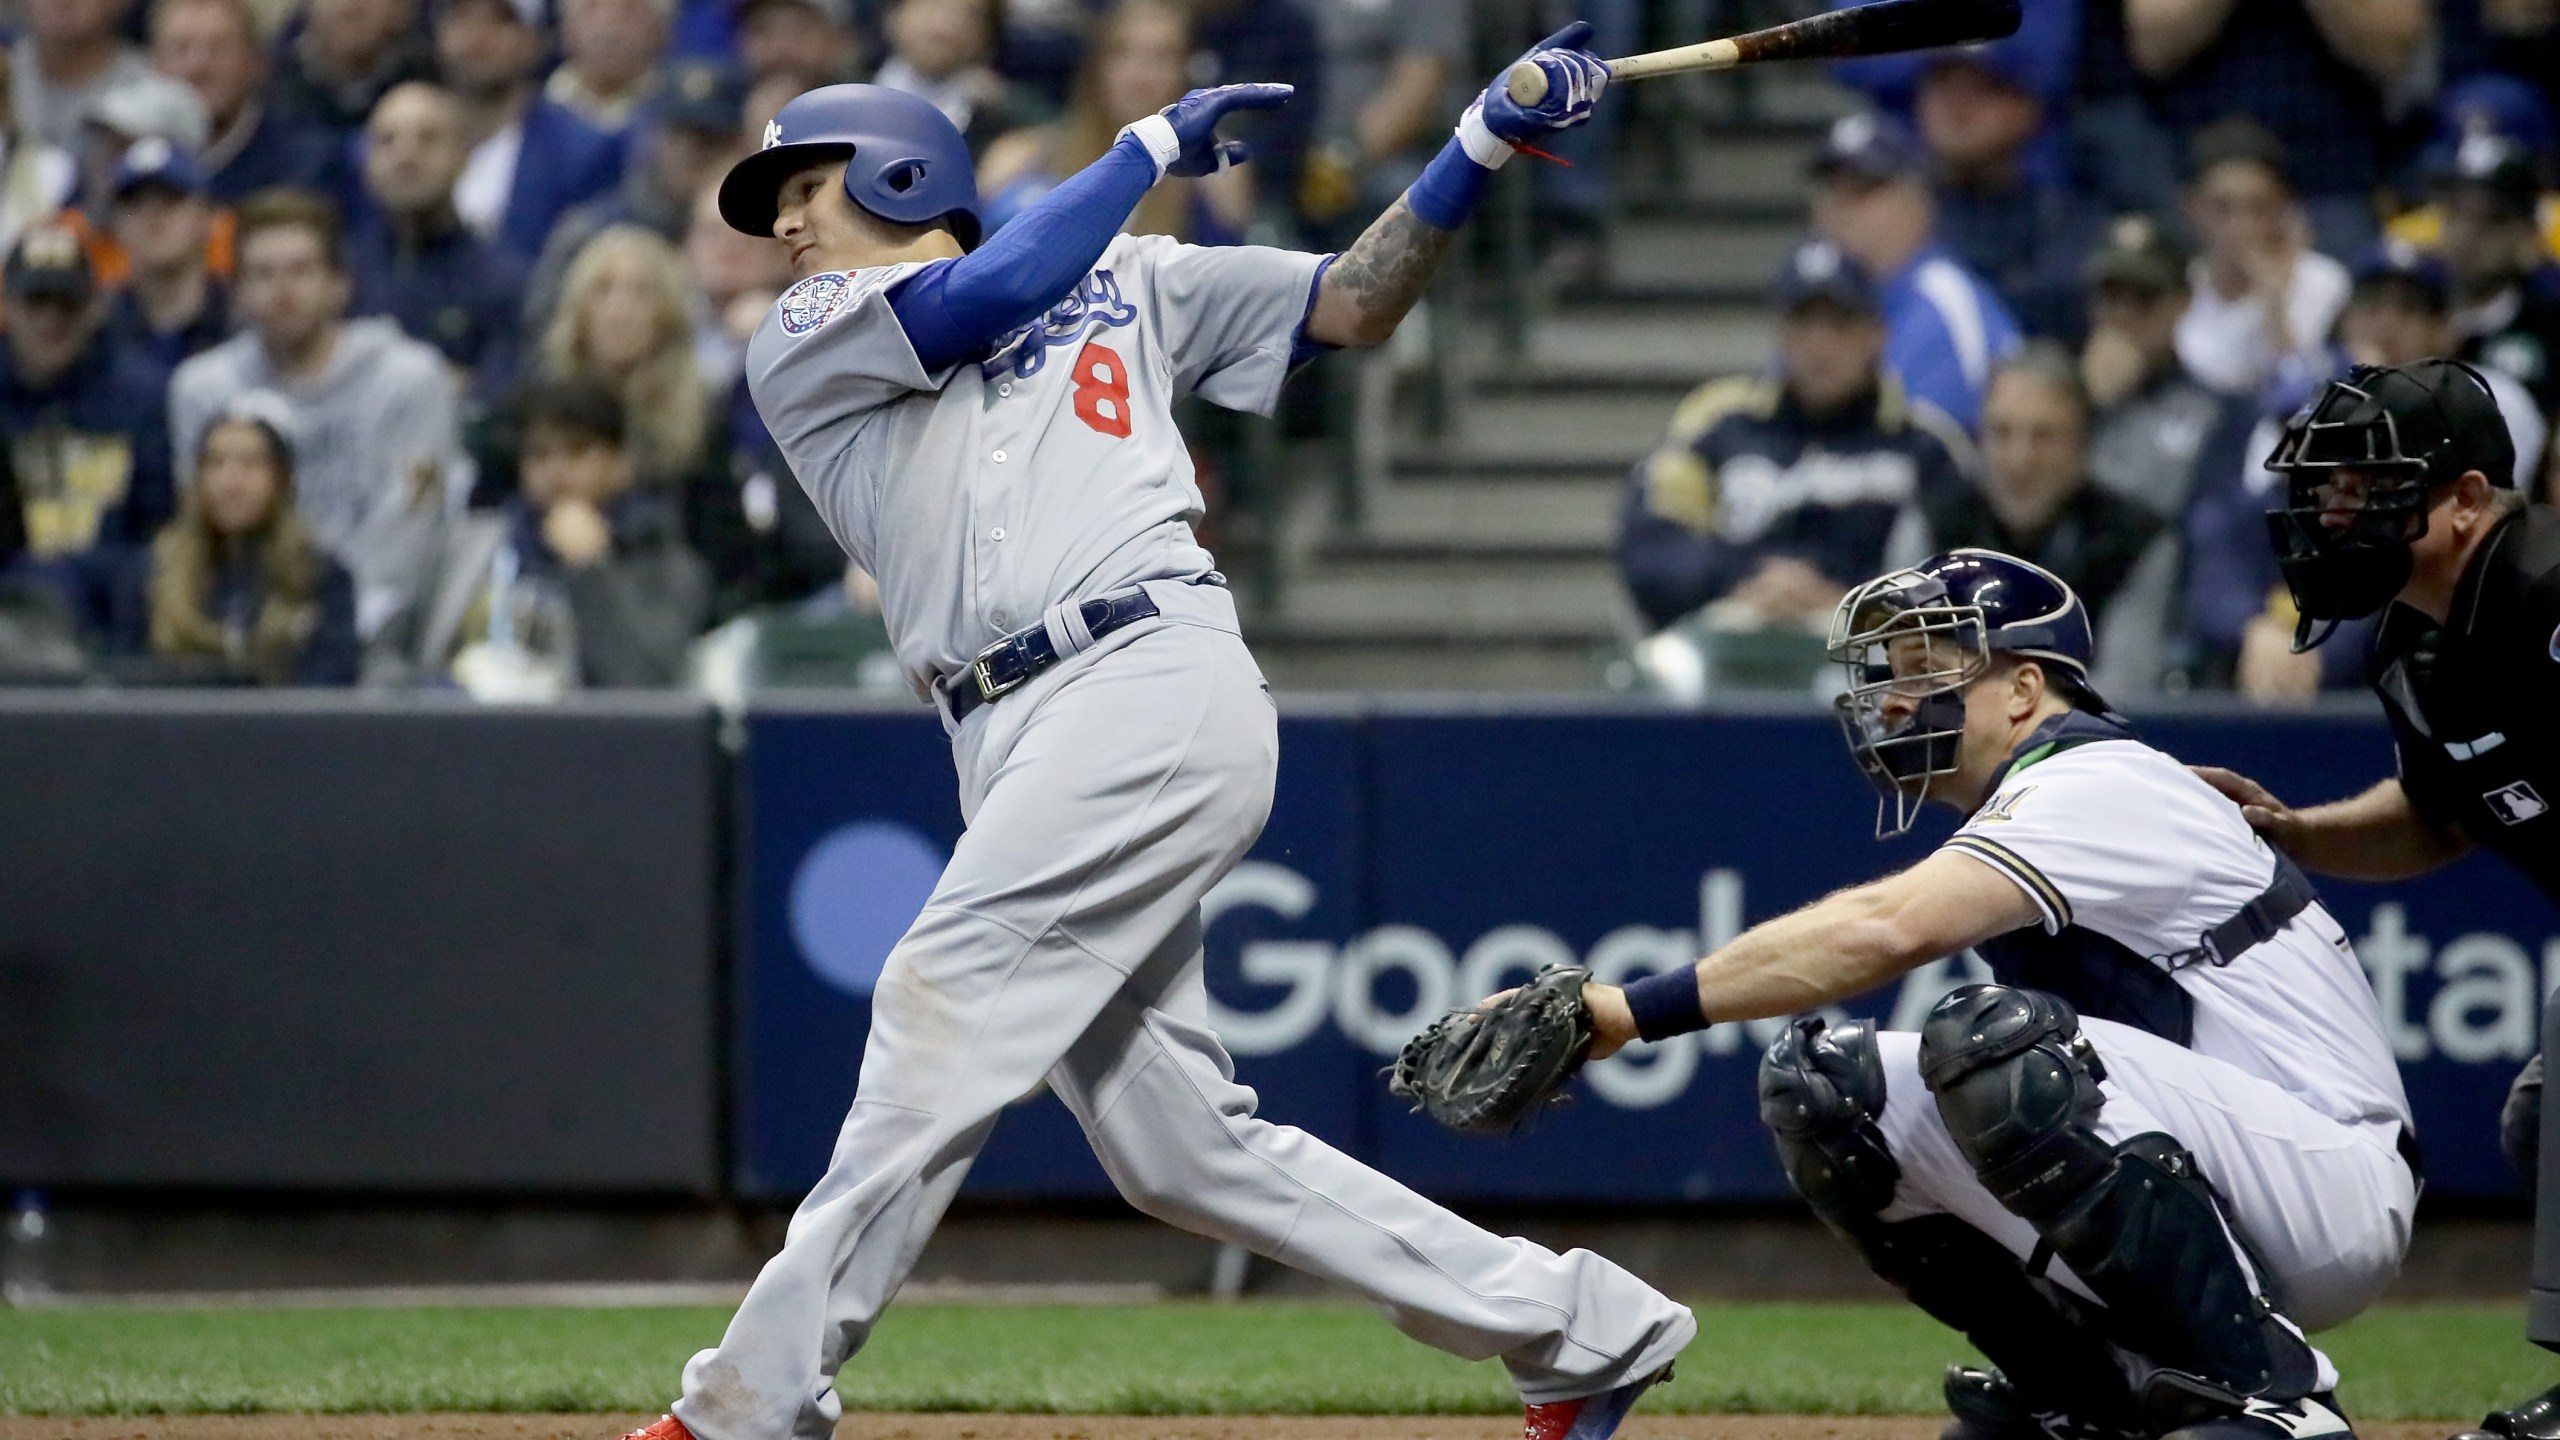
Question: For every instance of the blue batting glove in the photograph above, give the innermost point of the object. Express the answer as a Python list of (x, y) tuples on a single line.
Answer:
[(1575, 78), (1183, 137)]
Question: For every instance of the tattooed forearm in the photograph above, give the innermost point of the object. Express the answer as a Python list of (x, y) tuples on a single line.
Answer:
[(1377, 281)]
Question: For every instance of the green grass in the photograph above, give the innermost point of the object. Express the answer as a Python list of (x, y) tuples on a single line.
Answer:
[(2417, 1361)]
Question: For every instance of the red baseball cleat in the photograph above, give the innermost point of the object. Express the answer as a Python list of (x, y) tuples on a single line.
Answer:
[(667, 1428), (1592, 1417)]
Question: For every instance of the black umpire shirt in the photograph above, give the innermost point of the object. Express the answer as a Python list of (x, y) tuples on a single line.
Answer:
[(2475, 702)]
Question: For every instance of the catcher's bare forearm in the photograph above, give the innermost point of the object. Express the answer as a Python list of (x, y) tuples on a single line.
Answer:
[(1372, 286), (1847, 942)]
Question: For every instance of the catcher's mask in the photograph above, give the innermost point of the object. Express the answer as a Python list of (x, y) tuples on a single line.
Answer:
[(2361, 465), (1913, 640)]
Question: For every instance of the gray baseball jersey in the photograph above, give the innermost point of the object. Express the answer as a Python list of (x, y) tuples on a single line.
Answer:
[(982, 495)]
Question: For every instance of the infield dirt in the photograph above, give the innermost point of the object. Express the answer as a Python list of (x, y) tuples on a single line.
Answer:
[(1018, 1427)]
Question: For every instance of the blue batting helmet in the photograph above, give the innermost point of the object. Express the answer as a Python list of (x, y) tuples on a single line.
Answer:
[(1903, 711), (905, 160)]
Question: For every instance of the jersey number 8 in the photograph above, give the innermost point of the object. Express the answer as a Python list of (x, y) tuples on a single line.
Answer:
[(1102, 389)]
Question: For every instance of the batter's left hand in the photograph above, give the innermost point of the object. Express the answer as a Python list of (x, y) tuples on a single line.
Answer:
[(1195, 119), (1575, 78)]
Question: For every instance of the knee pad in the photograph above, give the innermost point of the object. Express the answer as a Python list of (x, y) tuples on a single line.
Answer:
[(1822, 1090), (2017, 1087)]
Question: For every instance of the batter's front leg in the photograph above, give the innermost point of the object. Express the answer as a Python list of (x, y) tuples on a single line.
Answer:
[(1157, 1096)]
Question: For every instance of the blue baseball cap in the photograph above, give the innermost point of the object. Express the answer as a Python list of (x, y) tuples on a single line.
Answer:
[(1820, 270), (2401, 264), (157, 160), (2493, 104), (1867, 145)]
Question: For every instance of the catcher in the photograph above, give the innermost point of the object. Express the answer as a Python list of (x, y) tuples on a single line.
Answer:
[(2135, 1171)]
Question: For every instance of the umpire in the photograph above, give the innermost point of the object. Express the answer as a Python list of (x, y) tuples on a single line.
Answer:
[(2401, 498)]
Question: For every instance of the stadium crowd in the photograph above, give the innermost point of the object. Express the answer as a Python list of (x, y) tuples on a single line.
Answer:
[(2064, 289), (399, 342)]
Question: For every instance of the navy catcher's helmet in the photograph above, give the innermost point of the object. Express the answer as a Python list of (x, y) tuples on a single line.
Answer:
[(905, 160), (1912, 640)]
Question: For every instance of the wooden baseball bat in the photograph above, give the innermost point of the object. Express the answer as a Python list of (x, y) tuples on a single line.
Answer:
[(1888, 27)]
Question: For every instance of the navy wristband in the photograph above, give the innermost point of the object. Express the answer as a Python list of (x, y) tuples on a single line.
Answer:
[(1667, 1004), (1447, 192)]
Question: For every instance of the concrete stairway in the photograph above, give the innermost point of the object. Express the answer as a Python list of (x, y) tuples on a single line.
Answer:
[(1480, 559)]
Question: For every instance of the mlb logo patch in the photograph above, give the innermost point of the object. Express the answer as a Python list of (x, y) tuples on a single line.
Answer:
[(814, 301), (2515, 804)]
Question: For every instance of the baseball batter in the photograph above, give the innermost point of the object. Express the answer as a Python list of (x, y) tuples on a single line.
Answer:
[(2169, 1140), (987, 428)]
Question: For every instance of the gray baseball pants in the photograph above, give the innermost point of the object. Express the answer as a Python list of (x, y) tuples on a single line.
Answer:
[(1103, 800)]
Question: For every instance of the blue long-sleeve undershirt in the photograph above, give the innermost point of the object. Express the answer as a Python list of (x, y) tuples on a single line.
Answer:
[(956, 310)]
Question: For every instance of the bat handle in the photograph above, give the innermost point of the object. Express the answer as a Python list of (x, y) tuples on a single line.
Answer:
[(1527, 84)]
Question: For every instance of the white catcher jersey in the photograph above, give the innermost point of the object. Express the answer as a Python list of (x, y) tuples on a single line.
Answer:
[(982, 495), (2116, 838)]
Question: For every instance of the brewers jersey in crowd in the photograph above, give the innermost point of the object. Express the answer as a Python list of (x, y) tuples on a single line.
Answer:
[(2132, 860), (927, 480)]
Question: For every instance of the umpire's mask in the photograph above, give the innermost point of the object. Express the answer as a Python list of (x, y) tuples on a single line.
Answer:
[(2361, 465)]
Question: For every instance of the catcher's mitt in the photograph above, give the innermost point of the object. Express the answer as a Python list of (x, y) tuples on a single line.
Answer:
[(1483, 1071)]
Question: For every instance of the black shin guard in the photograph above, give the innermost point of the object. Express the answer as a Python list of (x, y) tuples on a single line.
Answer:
[(1821, 1090), (2017, 1086)]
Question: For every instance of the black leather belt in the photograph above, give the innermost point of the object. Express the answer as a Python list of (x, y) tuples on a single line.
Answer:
[(1009, 664)]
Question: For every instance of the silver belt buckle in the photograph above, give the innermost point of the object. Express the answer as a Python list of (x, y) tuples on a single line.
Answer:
[(991, 689)]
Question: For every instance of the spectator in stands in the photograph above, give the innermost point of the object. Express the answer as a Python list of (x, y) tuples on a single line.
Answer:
[(2505, 287), (580, 580), (1944, 327), (87, 430), (349, 54), (529, 157), (2263, 298), (172, 305), (412, 257), (2513, 41), (1139, 64), (1387, 105), (2494, 107), (1041, 42), (239, 591), (1772, 494), (1274, 41), (812, 42), (71, 52), (626, 322), (2036, 500), (212, 46), (610, 53), (2002, 208), (36, 179), (2158, 428), (155, 107), (374, 409), (684, 140), (2237, 607), (943, 50), (737, 277), (2312, 72)]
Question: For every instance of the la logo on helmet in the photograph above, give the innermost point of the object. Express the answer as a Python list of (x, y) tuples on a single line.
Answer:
[(772, 133)]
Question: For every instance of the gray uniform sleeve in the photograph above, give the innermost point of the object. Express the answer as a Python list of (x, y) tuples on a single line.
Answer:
[(1230, 316), (830, 355)]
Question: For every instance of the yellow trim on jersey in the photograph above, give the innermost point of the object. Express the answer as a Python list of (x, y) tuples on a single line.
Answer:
[(2047, 896), (1680, 488), (2424, 226), (1679, 485)]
